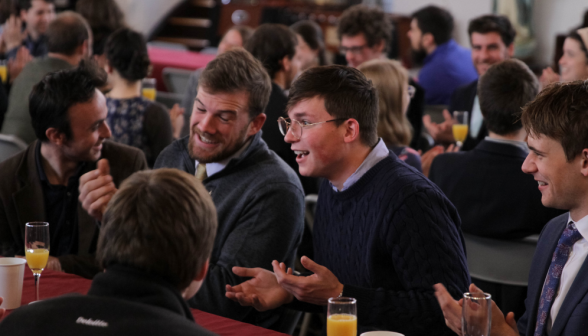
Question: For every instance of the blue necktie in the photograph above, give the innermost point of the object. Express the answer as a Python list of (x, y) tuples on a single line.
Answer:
[(564, 247)]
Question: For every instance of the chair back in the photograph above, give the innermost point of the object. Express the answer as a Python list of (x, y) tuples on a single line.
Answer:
[(10, 145), (168, 99), (176, 80), (505, 262)]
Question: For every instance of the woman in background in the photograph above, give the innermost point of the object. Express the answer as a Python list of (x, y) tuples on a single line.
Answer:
[(134, 120), (391, 81), (311, 44), (573, 64)]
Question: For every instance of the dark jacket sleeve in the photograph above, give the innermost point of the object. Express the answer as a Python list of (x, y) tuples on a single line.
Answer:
[(158, 130), (425, 242)]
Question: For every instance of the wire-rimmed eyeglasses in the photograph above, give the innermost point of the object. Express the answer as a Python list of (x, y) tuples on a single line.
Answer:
[(295, 127)]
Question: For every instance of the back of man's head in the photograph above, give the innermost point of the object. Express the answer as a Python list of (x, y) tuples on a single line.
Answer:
[(66, 33), (435, 21), (52, 97), (347, 94), (238, 71), (503, 91), (270, 43), (27, 4), (162, 222), (373, 23), (560, 112), (499, 24)]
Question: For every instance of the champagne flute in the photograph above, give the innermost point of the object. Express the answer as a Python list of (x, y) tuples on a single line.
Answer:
[(460, 127), (342, 317), (37, 249), (476, 314)]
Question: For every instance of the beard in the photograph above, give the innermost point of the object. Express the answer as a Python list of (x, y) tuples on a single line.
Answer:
[(222, 153), (418, 56)]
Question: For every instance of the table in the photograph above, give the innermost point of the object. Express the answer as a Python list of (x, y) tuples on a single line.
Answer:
[(182, 59), (56, 283)]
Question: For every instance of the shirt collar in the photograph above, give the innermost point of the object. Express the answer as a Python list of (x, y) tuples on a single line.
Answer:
[(521, 144), (216, 167), (581, 225), (377, 154)]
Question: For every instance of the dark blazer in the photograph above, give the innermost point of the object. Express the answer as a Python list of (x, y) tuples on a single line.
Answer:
[(463, 100), (493, 197), (21, 201), (572, 318)]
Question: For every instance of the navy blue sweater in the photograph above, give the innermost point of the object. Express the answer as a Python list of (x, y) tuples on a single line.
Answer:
[(389, 238)]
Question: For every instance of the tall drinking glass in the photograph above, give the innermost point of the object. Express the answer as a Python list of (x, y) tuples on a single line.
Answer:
[(148, 88), (342, 317), (37, 249), (460, 126), (476, 314)]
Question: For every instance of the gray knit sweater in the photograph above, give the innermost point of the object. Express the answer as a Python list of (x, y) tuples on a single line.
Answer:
[(260, 208)]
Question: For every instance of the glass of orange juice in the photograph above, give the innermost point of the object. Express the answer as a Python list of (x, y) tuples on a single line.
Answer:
[(148, 88), (37, 249), (342, 317), (3, 71), (460, 126)]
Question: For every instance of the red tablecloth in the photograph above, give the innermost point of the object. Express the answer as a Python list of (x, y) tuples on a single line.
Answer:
[(162, 58), (55, 284)]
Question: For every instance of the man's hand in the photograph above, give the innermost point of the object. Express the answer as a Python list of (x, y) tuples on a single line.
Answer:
[(443, 132), (54, 264), (316, 288), (431, 154), (261, 292), (15, 66), (176, 115), (452, 311), (96, 190), (13, 34)]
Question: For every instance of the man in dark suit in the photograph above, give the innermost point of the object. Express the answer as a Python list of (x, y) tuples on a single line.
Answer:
[(41, 183), (494, 198), (492, 40), (557, 296)]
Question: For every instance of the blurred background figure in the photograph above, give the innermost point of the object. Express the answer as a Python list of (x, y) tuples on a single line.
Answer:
[(133, 119), (36, 16), (236, 37), (311, 44), (573, 64), (394, 93)]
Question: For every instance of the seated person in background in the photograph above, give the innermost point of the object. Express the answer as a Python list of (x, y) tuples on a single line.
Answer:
[(147, 277), (492, 39), (446, 64), (573, 64), (68, 42), (311, 44), (41, 183), (36, 14), (276, 47), (383, 233), (494, 198), (134, 120), (235, 37), (259, 200), (390, 79), (557, 297)]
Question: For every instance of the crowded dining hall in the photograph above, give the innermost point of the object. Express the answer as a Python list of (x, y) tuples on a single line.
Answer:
[(294, 167)]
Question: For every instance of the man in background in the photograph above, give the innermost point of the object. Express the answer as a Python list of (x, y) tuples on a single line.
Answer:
[(36, 14)]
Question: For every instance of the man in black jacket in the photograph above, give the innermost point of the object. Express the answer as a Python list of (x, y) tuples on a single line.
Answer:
[(147, 275), (492, 40)]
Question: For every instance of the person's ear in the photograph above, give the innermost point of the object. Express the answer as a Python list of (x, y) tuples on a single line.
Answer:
[(510, 50), (55, 137), (286, 64), (428, 40), (584, 162), (379, 47), (256, 124), (202, 273), (351, 130), (23, 15)]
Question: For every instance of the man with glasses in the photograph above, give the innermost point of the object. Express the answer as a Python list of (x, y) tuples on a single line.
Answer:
[(259, 199), (383, 233)]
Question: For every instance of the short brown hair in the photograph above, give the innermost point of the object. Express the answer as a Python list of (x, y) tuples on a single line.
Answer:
[(560, 112), (238, 71), (270, 43), (347, 94), (66, 33), (160, 221), (371, 22), (390, 79), (503, 91), (492, 23)]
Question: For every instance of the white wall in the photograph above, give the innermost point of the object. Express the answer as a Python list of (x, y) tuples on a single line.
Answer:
[(550, 17)]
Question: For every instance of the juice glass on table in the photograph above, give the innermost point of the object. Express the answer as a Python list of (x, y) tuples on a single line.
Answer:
[(460, 126), (342, 317), (37, 249), (148, 88)]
